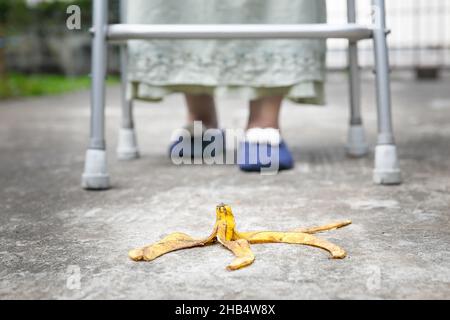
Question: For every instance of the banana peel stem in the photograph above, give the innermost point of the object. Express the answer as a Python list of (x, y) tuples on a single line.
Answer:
[(328, 227), (238, 243)]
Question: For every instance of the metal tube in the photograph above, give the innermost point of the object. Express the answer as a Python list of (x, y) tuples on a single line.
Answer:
[(385, 134), (354, 32), (99, 57), (127, 107), (351, 11), (354, 77)]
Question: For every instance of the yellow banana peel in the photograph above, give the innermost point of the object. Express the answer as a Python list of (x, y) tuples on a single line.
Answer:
[(238, 243)]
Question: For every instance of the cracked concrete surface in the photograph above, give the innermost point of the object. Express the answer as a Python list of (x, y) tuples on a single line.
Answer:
[(51, 230)]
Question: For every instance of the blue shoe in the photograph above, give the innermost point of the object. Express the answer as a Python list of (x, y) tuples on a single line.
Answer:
[(250, 161), (263, 148)]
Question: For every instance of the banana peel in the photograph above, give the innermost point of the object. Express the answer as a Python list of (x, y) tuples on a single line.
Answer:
[(238, 243)]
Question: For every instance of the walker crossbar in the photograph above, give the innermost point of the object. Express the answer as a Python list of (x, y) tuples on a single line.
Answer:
[(386, 169), (352, 32)]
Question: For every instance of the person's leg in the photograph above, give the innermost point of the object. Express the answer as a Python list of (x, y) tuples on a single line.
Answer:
[(264, 113), (263, 130), (202, 108)]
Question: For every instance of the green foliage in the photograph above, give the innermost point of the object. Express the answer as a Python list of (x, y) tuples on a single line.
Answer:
[(20, 85), (5, 7)]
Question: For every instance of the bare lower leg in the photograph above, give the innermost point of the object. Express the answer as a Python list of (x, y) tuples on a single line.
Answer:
[(264, 113), (202, 108)]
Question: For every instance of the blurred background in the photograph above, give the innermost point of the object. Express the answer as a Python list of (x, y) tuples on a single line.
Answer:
[(419, 41), (39, 55)]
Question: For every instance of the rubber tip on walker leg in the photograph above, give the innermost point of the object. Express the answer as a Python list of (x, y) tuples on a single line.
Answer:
[(127, 148), (356, 142), (386, 170), (95, 176)]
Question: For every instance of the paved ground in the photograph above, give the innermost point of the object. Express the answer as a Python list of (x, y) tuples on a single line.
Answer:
[(50, 229)]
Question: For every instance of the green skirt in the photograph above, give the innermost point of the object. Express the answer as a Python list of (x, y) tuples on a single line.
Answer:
[(248, 69)]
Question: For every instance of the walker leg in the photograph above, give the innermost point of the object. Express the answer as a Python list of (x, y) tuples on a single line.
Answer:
[(387, 169), (95, 176), (127, 147), (356, 139)]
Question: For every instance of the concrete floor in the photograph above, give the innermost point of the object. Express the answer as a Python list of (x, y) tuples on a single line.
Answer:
[(52, 233)]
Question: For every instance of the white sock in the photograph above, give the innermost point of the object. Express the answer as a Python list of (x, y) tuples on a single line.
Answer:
[(263, 135)]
